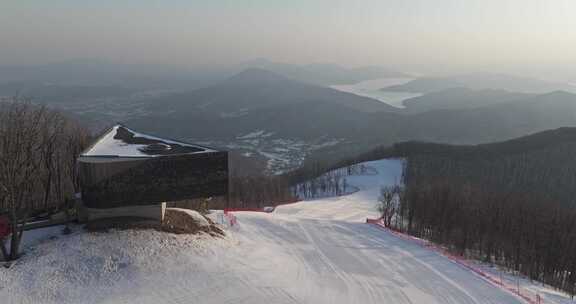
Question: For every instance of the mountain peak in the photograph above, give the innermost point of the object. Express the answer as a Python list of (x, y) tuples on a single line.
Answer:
[(560, 94), (556, 96), (256, 76)]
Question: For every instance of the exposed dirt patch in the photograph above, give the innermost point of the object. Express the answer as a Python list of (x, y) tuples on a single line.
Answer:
[(178, 221), (189, 221)]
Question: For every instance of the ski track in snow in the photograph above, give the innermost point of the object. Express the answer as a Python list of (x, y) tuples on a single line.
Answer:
[(317, 251)]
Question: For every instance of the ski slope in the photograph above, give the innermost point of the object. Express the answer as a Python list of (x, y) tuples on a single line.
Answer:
[(321, 251), (317, 251)]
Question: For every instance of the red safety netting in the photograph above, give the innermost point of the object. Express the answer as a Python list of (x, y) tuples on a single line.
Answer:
[(228, 210), (263, 209), (525, 295)]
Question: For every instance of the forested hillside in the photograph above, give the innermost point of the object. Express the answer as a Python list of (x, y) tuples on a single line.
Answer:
[(511, 203), (459, 98)]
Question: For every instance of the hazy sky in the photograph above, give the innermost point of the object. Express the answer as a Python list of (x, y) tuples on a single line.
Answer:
[(483, 34)]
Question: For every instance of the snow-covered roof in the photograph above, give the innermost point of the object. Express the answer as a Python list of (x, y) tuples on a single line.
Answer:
[(119, 141)]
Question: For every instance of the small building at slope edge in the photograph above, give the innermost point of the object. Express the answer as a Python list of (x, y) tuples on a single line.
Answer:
[(124, 168)]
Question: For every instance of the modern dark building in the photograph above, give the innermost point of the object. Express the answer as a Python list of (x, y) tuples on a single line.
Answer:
[(125, 168)]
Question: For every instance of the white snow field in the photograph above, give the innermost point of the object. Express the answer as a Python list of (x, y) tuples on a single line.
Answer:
[(317, 251)]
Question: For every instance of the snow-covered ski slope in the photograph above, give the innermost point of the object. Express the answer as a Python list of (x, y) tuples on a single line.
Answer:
[(317, 251), (321, 251)]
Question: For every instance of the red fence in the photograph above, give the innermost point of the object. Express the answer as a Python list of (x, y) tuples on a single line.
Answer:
[(228, 210), (263, 209), (459, 260), (232, 221)]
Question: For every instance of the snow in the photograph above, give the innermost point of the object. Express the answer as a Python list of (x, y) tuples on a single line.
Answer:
[(317, 251), (109, 146), (37, 236), (118, 267), (34, 237), (527, 286), (282, 154), (256, 134), (239, 113)]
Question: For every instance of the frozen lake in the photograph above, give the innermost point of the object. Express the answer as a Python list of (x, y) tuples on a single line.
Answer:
[(371, 88)]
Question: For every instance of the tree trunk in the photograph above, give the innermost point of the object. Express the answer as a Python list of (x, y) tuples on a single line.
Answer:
[(17, 228), (14, 241), (3, 249)]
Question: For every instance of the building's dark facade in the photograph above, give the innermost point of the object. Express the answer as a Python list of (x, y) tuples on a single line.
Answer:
[(124, 168)]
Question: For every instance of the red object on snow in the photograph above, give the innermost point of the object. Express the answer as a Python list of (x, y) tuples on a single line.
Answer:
[(228, 210), (4, 227)]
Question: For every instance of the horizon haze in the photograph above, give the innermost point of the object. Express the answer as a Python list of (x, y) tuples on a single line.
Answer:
[(532, 38)]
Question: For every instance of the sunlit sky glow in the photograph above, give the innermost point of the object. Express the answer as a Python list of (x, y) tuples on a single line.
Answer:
[(531, 35)]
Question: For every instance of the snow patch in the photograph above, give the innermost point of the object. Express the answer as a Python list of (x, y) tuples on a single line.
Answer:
[(256, 134), (235, 114)]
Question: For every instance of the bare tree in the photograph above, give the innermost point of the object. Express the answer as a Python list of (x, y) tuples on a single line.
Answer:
[(37, 146), (75, 139), (389, 196), (20, 132), (50, 148)]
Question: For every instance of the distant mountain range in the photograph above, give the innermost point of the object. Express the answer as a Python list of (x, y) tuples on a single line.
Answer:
[(533, 142), (54, 93), (490, 123), (325, 74), (255, 88), (266, 115), (258, 109), (536, 142), (497, 122), (480, 81), (95, 72), (459, 98)]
